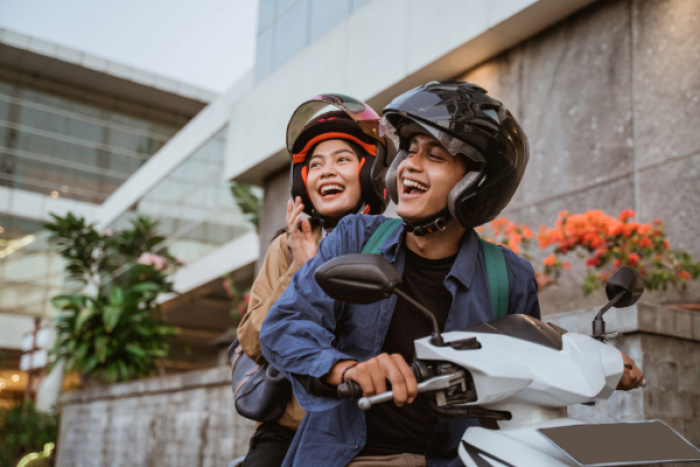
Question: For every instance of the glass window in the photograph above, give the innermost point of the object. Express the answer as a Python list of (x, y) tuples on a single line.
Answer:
[(267, 9), (325, 15), (291, 34), (264, 54), (355, 4)]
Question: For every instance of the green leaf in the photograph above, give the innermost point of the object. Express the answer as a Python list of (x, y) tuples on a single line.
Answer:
[(110, 317), (135, 350), (116, 297), (146, 287)]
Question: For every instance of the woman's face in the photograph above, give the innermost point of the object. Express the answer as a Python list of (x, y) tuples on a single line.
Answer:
[(333, 179)]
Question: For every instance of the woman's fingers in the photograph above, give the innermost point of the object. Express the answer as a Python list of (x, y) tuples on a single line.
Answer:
[(293, 217)]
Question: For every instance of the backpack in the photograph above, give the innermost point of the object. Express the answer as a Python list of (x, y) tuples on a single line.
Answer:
[(494, 260)]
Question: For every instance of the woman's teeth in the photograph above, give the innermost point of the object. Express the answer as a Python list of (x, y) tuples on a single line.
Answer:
[(331, 189)]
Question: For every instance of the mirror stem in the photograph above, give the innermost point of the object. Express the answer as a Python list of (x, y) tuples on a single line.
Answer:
[(435, 337), (598, 323)]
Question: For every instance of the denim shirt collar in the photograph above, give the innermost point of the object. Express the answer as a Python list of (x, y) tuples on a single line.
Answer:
[(463, 268)]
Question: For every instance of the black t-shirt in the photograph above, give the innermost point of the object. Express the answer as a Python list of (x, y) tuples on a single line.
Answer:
[(409, 429)]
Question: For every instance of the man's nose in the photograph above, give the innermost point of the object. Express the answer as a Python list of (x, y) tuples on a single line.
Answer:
[(414, 162)]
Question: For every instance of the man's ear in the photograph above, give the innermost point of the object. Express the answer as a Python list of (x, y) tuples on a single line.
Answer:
[(463, 190)]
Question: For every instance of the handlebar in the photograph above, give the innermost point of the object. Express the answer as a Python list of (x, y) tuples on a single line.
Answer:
[(351, 389)]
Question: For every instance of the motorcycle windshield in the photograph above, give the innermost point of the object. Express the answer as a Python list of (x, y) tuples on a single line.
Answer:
[(523, 327)]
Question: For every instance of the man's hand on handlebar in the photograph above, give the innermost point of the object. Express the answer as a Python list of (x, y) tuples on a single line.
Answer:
[(373, 374), (632, 377)]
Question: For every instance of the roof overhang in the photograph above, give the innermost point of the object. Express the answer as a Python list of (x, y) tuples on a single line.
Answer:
[(53, 62)]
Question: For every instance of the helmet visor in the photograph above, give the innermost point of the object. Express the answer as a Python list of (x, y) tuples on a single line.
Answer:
[(327, 106), (399, 137)]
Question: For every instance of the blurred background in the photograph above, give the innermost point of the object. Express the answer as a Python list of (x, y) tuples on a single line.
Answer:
[(113, 111)]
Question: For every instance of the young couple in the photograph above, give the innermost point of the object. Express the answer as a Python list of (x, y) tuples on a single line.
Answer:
[(453, 159)]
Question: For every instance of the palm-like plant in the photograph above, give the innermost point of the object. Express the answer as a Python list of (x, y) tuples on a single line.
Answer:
[(113, 330)]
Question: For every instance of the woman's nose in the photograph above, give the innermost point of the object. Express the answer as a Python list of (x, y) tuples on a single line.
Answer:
[(328, 170)]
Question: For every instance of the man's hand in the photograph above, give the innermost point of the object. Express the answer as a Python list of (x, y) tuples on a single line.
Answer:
[(632, 377), (299, 236), (373, 374)]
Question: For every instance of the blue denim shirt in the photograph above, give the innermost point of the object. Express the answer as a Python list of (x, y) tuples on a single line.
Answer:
[(300, 336)]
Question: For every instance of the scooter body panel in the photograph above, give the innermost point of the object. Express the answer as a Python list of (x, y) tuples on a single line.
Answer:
[(481, 447)]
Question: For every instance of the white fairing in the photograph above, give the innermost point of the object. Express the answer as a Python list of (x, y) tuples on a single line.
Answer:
[(504, 374), (525, 447), (507, 378)]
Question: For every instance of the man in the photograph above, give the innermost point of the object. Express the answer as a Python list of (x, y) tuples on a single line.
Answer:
[(458, 156)]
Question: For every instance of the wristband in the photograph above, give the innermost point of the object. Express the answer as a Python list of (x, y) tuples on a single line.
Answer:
[(342, 375)]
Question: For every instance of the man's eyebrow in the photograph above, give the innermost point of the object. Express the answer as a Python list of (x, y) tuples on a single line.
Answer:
[(430, 143)]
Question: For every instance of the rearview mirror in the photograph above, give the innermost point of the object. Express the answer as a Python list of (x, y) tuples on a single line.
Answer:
[(629, 283), (358, 278)]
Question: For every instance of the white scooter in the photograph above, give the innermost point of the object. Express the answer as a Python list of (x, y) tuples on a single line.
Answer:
[(521, 372)]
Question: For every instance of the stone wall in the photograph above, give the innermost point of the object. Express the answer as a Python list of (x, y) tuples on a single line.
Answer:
[(610, 101), (185, 420), (665, 343)]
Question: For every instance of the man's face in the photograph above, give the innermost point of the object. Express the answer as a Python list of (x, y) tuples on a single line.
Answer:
[(425, 178)]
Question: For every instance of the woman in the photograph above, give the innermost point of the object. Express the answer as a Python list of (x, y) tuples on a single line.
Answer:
[(333, 141)]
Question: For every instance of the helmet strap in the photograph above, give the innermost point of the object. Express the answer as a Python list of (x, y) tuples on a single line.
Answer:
[(429, 224)]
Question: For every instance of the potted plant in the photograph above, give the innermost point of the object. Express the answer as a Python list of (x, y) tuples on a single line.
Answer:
[(113, 329)]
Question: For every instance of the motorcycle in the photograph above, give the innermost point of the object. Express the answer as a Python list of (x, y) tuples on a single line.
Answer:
[(520, 372)]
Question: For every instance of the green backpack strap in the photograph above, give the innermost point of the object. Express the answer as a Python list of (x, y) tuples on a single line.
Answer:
[(380, 235), (498, 278)]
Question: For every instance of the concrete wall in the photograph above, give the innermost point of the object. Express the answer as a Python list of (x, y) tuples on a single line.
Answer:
[(188, 420), (610, 101), (185, 420)]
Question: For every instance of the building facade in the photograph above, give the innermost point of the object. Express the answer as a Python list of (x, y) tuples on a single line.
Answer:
[(608, 93)]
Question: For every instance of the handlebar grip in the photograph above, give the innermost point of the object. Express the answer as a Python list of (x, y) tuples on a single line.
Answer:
[(350, 390)]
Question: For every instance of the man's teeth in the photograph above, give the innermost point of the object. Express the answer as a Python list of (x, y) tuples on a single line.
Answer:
[(330, 188), (414, 184)]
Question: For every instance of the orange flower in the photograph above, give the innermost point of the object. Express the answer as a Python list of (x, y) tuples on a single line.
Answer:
[(550, 260), (644, 242), (685, 275), (626, 214), (633, 259)]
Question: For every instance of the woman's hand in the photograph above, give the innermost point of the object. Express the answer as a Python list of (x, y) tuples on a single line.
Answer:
[(299, 236)]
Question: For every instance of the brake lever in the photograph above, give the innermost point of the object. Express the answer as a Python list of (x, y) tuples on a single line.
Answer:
[(433, 384)]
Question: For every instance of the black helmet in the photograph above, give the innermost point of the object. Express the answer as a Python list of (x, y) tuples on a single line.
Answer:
[(466, 121), (335, 116)]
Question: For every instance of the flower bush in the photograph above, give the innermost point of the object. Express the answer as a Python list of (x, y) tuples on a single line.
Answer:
[(113, 330), (606, 243), (239, 299)]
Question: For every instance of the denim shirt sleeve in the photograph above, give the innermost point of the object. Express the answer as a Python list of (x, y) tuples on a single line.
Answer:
[(298, 334)]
